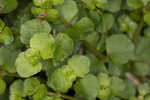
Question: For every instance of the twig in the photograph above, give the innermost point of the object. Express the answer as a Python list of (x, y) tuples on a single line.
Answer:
[(137, 35), (62, 96), (141, 24), (68, 25), (54, 32), (87, 44), (4, 73), (132, 78), (95, 51), (100, 12)]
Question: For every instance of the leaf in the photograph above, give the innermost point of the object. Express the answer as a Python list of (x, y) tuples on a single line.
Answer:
[(143, 89), (146, 17), (119, 52), (80, 65), (101, 3), (16, 90), (2, 25), (64, 47), (81, 29), (30, 86), (106, 23), (6, 36), (87, 87), (117, 85), (130, 90), (58, 2), (2, 86), (7, 58), (40, 93), (7, 6), (97, 66), (28, 63), (104, 80), (43, 3), (68, 10), (141, 71), (45, 43), (112, 5), (104, 93), (135, 4), (63, 75), (90, 4), (143, 49), (31, 27), (127, 25)]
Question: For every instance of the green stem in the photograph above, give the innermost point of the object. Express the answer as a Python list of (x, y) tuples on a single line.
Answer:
[(4, 73), (87, 44), (138, 33), (94, 51), (62, 96)]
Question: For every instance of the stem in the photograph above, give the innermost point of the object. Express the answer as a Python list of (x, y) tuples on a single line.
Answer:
[(132, 78), (87, 44), (100, 12), (137, 35), (4, 73), (62, 96), (68, 25), (94, 50)]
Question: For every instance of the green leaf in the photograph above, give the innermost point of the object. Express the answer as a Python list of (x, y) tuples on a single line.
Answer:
[(119, 52), (106, 23), (144, 89), (93, 38), (45, 43), (104, 94), (31, 27), (2, 25), (127, 25), (52, 98), (104, 80), (81, 29), (97, 66), (58, 2), (51, 14), (6, 36), (114, 98), (28, 63), (143, 49), (80, 65), (40, 93), (135, 4), (141, 71), (87, 87), (30, 86), (147, 17), (147, 32), (117, 85), (129, 91), (112, 5), (8, 56), (68, 10), (147, 97), (101, 3), (2, 86), (90, 4), (145, 2), (64, 48), (7, 6), (61, 79), (43, 3), (16, 90)]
